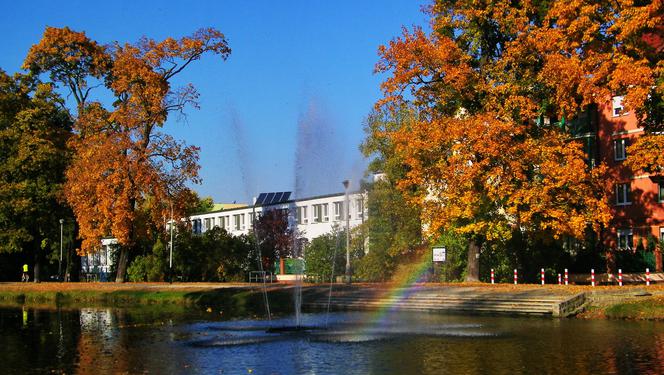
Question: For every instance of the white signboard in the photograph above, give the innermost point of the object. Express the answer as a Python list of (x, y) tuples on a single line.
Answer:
[(439, 254)]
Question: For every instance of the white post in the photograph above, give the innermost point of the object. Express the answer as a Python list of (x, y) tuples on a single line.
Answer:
[(493, 279), (566, 277), (560, 281), (620, 277), (515, 277), (542, 275), (647, 276), (592, 277)]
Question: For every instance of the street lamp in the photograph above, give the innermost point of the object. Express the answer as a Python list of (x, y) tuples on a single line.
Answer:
[(347, 213), (60, 263), (170, 260)]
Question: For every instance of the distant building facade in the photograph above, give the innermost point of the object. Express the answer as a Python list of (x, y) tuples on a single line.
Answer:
[(311, 217), (637, 200)]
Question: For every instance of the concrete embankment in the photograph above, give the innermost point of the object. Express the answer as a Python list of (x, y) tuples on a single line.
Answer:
[(243, 299), (627, 302)]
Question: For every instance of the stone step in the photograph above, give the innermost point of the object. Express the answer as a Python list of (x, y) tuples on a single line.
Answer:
[(548, 306), (451, 300), (455, 308), (464, 297)]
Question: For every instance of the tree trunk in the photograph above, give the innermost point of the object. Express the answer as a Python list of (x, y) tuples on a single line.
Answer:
[(473, 269), (122, 265)]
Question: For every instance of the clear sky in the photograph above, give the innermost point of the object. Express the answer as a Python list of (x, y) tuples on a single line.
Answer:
[(284, 112)]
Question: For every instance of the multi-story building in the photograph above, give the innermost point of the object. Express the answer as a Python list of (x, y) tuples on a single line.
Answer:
[(636, 200), (311, 217), (637, 203)]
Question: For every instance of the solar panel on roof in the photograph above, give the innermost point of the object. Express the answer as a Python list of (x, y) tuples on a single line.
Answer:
[(277, 198), (273, 198), (261, 198)]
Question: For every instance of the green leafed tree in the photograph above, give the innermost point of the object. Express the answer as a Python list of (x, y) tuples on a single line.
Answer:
[(34, 129)]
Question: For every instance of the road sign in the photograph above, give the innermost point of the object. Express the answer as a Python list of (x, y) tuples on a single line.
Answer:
[(439, 254)]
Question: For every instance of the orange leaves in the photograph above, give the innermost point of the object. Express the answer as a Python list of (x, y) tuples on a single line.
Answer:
[(647, 154), (425, 65), (125, 174)]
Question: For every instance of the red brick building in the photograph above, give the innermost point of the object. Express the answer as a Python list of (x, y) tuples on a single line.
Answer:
[(637, 200)]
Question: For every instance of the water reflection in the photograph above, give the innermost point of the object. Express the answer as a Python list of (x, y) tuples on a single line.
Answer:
[(153, 340)]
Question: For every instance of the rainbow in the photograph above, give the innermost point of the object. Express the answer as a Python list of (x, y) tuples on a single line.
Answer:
[(399, 290)]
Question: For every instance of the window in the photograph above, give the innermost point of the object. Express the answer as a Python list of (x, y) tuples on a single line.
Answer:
[(302, 215), (625, 239), (623, 194), (619, 150), (239, 221), (251, 220), (220, 222), (228, 223), (660, 193), (617, 106), (207, 224), (661, 234), (360, 208), (321, 213), (196, 226), (338, 210)]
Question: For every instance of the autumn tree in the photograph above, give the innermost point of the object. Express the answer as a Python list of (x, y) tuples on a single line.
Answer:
[(34, 130), (121, 158), (477, 160), (275, 237)]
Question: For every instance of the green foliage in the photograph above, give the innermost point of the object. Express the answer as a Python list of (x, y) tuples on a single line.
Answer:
[(375, 266), (213, 256), (322, 252), (151, 267), (454, 267), (33, 133), (393, 226)]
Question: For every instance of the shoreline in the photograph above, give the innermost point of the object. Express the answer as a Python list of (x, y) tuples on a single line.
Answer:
[(630, 302)]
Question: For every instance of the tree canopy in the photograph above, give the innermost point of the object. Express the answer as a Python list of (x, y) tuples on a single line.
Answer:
[(34, 130), (120, 158), (477, 157)]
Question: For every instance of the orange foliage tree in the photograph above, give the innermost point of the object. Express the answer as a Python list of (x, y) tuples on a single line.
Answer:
[(478, 159), (126, 175)]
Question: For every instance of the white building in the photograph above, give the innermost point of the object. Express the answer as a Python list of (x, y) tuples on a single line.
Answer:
[(313, 216)]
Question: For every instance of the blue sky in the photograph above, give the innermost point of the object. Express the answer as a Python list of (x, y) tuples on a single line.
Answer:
[(284, 112)]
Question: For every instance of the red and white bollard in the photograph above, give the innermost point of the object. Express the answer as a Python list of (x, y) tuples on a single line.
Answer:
[(566, 277), (542, 275), (493, 277), (592, 276), (560, 280), (515, 277), (647, 276), (619, 277)]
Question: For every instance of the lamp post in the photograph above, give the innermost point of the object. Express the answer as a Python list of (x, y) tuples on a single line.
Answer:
[(346, 183), (60, 263), (170, 259)]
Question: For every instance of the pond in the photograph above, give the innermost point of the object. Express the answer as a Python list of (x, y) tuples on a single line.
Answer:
[(153, 340)]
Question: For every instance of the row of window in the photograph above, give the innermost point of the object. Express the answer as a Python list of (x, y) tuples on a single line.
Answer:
[(625, 238), (624, 193), (320, 212), (236, 222)]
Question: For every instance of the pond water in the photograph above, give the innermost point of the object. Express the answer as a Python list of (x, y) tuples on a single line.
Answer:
[(100, 340)]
